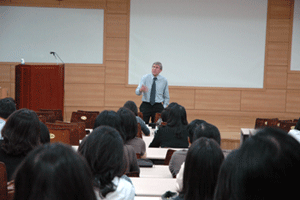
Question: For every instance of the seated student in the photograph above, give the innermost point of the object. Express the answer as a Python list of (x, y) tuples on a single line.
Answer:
[(178, 157), (296, 131), (112, 119), (175, 133), (130, 127), (266, 166), (54, 171), (21, 134), (132, 106), (202, 165), (103, 150), (203, 130), (7, 107)]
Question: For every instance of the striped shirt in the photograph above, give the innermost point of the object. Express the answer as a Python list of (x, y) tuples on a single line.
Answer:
[(162, 89)]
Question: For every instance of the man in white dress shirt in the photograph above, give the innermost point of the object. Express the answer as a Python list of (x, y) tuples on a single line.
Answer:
[(155, 90)]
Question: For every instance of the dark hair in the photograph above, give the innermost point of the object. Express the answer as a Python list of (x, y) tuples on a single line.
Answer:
[(207, 130), (21, 132), (131, 106), (192, 126), (128, 122), (45, 134), (112, 119), (177, 118), (202, 165), (103, 150), (54, 171), (266, 165), (223, 187), (7, 107), (297, 127)]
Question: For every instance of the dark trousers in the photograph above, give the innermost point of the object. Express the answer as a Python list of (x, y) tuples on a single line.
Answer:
[(149, 111)]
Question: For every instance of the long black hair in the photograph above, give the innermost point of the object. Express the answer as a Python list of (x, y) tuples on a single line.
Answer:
[(54, 171), (103, 150)]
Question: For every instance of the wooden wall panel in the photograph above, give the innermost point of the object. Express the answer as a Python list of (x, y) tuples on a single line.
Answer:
[(279, 30), (217, 100), (269, 100), (36, 3), (280, 9), (278, 54), (84, 95), (184, 96), (276, 77), (7, 86), (116, 49), (117, 95), (293, 81), (293, 101), (115, 72), (117, 6), (100, 4), (84, 74), (5, 71), (116, 25)]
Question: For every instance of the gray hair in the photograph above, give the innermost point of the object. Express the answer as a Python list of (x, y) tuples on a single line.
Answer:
[(159, 64)]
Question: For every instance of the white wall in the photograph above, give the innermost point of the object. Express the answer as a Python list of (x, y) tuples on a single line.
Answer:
[(218, 43), (295, 60), (76, 35)]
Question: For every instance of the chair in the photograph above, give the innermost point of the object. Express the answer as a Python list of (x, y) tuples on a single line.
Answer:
[(57, 113), (59, 135), (265, 122), (3, 181), (58, 132), (287, 126), (88, 117), (80, 127), (157, 117), (139, 133), (138, 156), (133, 174), (140, 114), (168, 156), (50, 116)]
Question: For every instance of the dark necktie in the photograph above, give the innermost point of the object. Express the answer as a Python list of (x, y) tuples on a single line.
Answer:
[(153, 91)]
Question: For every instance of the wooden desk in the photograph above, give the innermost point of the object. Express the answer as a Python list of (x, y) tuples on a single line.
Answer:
[(157, 171), (153, 186)]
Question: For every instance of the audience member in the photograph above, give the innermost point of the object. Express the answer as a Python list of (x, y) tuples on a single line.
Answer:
[(204, 129), (130, 127), (178, 157), (265, 167), (175, 133), (7, 107), (223, 190), (45, 134), (103, 150), (54, 171), (202, 166), (21, 134), (132, 106), (296, 131)]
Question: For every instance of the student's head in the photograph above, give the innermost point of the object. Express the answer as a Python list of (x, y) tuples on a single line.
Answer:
[(267, 166), (207, 130), (103, 150), (45, 134), (297, 127), (131, 106), (21, 133), (202, 164), (177, 116), (54, 171), (112, 119), (129, 123), (7, 107), (192, 126)]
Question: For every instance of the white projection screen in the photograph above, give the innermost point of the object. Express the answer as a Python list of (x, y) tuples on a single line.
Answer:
[(219, 43), (76, 35), (295, 59)]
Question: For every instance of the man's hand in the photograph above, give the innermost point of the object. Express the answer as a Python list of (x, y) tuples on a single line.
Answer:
[(144, 89)]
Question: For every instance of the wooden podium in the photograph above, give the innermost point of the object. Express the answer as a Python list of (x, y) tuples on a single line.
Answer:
[(40, 87)]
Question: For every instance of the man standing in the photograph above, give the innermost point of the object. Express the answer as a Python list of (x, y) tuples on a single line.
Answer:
[(155, 90)]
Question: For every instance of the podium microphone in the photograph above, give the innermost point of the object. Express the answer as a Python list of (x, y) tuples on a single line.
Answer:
[(56, 56)]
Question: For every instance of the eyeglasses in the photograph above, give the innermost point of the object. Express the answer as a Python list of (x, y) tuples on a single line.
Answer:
[(155, 67)]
